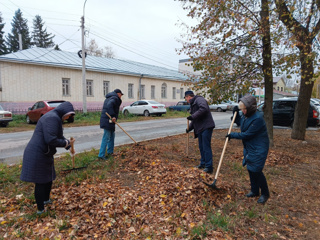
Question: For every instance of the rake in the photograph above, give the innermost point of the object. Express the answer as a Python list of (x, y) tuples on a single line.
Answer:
[(73, 156), (123, 129)]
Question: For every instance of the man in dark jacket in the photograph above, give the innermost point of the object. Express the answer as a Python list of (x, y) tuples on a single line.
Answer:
[(38, 161), (111, 106), (255, 141), (202, 123)]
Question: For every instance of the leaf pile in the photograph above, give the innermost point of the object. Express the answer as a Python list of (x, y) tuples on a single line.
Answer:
[(154, 192)]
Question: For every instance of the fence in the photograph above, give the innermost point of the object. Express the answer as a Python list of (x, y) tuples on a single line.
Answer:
[(24, 111)]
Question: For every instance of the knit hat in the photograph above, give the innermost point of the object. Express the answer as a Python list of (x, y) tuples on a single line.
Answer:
[(251, 104)]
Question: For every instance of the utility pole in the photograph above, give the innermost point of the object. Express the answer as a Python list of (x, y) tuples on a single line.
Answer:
[(83, 53), (20, 41)]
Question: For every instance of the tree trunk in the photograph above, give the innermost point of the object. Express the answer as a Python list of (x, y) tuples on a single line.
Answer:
[(267, 69), (303, 104)]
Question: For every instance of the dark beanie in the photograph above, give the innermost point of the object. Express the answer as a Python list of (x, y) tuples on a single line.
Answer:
[(251, 104), (189, 92)]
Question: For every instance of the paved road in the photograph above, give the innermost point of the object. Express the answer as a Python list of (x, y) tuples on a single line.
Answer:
[(12, 145)]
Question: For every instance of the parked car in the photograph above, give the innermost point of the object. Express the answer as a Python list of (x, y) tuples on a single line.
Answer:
[(283, 112), (145, 107), (231, 105), (221, 107), (316, 102), (181, 106), (5, 117), (42, 107)]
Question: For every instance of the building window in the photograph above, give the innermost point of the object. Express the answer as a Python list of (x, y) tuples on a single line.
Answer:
[(130, 90), (90, 88), (142, 92), (164, 90), (278, 88), (65, 87), (181, 93), (153, 92), (174, 93), (106, 87), (281, 89)]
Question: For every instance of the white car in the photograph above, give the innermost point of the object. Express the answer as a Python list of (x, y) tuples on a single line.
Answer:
[(145, 107), (221, 107), (5, 117), (231, 105)]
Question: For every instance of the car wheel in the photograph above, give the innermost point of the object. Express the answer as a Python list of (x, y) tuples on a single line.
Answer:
[(126, 113), (219, 109), (28, 120), (4, 124), (146, 113), (291, 124)]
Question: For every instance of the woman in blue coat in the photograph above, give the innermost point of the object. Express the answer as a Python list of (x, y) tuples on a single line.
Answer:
[(255, 141), (38, 161)]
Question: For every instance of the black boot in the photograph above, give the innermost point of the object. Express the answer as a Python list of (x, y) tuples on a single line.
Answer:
[(200, 166), (263, 199), (251, 194)]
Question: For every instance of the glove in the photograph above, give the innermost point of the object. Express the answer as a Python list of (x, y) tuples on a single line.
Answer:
[(228, 136), (190, 118), (187, 130), (68, 147)]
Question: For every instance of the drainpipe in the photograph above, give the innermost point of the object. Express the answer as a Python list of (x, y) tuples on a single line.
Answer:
[(139, 92)]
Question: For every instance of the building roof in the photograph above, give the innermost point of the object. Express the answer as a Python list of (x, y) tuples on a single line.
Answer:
[(56, 58), (277, 79)]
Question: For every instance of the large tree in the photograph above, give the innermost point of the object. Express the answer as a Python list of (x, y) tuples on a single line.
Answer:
[(19, 26), (40, 36), (302, 21), (231, 46), (3, 48)]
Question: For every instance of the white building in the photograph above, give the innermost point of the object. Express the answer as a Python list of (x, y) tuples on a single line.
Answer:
[(37, 74)]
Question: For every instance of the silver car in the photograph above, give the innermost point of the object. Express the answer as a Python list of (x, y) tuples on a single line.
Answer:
[(5, 117), (145, 107)]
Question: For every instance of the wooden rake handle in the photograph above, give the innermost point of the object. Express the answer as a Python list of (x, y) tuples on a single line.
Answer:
[(72, 151), (187, 138), (122, 128), (225, 145)]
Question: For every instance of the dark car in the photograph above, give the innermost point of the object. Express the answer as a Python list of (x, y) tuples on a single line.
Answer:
[(181, 106), (283, 112), (42, 107)]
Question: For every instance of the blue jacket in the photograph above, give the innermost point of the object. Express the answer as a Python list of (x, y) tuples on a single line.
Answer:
[(200, 112), (111, 105), (38, 162), (255, 141)]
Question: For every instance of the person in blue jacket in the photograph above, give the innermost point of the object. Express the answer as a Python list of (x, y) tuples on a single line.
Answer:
[(38, 161), (203, 124), (255, 141), (111, 106)]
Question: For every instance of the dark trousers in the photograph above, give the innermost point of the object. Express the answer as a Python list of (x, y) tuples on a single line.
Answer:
[(258, 181), (204, 139), (42, 193)]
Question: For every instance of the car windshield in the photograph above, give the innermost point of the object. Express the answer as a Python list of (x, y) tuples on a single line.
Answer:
[(153, 102), (1, 109), (54, 104)]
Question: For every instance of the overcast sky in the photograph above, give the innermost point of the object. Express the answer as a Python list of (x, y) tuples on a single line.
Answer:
[(137, 30)]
